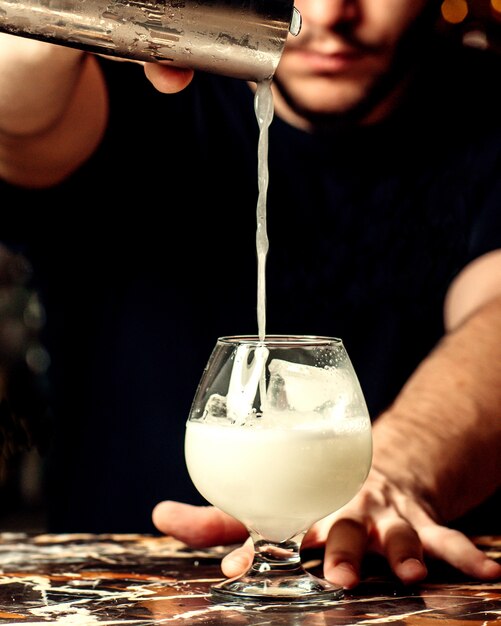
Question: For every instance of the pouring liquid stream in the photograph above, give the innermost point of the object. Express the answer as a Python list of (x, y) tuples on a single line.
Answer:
[(263, 106)]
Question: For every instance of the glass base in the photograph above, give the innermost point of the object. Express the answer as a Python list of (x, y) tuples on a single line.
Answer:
[(258, 587)]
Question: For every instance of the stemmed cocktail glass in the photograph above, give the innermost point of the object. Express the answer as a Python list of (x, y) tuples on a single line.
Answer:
[(278, 437)]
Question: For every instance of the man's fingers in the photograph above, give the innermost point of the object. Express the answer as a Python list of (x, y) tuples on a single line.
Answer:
[(403, 549), (197, 526), (456, 549), (344, 551), (166, 78), (348, 543), (239, 560)]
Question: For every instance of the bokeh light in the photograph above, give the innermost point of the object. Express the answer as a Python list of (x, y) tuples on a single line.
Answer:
[(454, 11), (496, 6)]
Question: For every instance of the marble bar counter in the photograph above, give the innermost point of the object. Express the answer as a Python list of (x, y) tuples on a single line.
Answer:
[(87, 580)]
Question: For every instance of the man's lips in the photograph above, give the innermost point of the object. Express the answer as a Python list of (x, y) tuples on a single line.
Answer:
[(325, 61)]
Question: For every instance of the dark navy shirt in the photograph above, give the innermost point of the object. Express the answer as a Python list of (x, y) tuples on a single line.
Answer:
[(147, 254)]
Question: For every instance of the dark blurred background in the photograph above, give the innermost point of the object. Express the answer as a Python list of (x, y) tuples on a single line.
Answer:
[(475, 23)]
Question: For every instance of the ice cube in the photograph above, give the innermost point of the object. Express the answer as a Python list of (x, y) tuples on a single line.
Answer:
[(215, 407), (298, 387)]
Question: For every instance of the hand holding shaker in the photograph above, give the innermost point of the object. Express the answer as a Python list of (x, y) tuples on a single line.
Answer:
[(237, 38)]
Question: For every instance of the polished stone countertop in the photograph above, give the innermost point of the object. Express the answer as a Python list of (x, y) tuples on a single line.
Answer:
[(85, 580)]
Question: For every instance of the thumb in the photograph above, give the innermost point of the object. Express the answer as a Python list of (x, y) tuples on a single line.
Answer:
[(197, 526)]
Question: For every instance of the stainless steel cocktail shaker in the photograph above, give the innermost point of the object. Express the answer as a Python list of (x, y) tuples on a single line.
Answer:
[(239, 38)]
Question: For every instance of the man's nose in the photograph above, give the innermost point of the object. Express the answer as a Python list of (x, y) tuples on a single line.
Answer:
[(329, 13)]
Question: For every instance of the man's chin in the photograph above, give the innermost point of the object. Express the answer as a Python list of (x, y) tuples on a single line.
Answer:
[(320, 97)]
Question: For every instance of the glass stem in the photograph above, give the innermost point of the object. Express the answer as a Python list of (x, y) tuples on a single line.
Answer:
[(282, 557)]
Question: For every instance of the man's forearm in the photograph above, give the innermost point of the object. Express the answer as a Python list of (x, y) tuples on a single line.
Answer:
[(36, 83), (52, 110), (442, 435)]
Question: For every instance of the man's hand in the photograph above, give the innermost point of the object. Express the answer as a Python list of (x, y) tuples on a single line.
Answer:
[(380, 519), (166, 78)]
